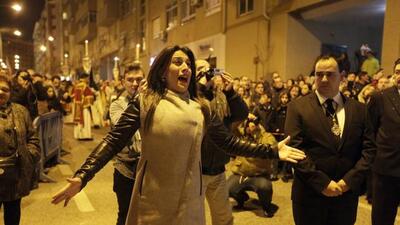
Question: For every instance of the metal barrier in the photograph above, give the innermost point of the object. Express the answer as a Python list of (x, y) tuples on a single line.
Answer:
[(49, 129)]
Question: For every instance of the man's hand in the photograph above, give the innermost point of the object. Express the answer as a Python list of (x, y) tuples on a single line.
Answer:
[(68, 191), (332, 190), (287, 153), (343, 186), (228, 80)]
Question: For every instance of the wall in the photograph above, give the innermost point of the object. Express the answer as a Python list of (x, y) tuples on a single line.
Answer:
[(351, 35), (302, 49), (243, 44), (391, 35)]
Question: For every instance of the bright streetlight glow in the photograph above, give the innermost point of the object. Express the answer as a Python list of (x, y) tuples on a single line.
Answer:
[(16, 60), (66, 55), (17, 33), (16, 56), (16, 7), (43, 48), (50, 38), (116, 58)]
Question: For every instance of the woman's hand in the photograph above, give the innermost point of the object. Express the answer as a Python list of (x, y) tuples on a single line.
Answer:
[(70, 190), (287, 153)]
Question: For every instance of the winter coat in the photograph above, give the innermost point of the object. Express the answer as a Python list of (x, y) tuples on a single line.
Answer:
[(168, 184), (24, 138)]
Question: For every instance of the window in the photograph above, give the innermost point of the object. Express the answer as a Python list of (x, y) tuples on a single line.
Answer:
[(188, 10), (213, 6), (92, 16), (142, 7), (156, 28), (172, 15), (245, 6), (125, 7)]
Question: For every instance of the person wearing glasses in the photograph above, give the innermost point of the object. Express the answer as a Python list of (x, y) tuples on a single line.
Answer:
[(384, 110), (19, 152), (334, 132)]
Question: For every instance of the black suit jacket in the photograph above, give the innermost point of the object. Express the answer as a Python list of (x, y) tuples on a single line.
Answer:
[(328, 160), (384, 110)]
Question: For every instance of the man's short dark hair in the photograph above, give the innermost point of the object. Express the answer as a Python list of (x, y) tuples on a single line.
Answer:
[(55, 77), (362, 73), (325, 57), (133, 68), (397, 62)]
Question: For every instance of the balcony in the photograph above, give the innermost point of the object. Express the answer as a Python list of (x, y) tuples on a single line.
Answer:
[(107, 13)]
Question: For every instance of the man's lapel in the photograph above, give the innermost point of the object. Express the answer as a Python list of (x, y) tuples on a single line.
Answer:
[(320, 114), (394, 98), (348, 114)]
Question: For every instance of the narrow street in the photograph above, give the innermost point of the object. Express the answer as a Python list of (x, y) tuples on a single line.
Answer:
[(96, 204)]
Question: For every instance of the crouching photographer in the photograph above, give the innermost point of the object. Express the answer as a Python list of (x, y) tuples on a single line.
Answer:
[(19, 152), (252, 174)]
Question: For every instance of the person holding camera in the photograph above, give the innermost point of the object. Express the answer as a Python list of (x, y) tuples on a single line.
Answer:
[(19, 152), (27, 90), (252, 174)]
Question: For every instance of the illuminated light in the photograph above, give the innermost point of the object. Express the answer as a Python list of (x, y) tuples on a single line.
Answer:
[(16, 7), (16, 60), (17, 33), (152, 60), (116, 58), (43, 48), (66, 55), (50, 38), (16, 56)]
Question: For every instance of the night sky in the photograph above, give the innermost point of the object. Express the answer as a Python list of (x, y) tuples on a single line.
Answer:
[(24, 20)]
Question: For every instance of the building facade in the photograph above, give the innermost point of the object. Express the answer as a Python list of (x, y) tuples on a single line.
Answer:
[(244, 37)]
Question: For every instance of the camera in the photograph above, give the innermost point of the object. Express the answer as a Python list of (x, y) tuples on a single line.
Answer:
[(209, 74)]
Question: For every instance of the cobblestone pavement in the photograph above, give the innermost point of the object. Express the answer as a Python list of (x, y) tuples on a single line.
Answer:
[(96, 205)]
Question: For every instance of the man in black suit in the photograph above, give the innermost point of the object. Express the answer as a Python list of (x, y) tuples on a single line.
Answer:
[(384, 110), (334, 133)]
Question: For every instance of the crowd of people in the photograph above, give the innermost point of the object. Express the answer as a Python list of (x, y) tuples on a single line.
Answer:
[(218, 119)]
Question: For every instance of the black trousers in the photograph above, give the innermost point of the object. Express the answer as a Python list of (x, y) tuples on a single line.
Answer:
[(335, 211), (261, 185), (123, 188), (385, 199), (12, 212)]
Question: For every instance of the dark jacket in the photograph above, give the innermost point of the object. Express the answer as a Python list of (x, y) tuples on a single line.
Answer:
[(27, 144), (213, 159), (384, 110), (252, 167), (327, 160), (277, 122), (129, 123), (28, 97), (264, 114)]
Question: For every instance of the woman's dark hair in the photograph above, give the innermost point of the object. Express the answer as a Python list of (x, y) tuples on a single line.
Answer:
[(298, 90), (157, 84)]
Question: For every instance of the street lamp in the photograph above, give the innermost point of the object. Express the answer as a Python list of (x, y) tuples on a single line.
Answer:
[(42, 48), (17, 33), (16, 7), (50, 38)]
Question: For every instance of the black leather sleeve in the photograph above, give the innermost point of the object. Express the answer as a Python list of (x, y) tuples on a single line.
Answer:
[(237, 107), (233, 145), (113, 143)]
